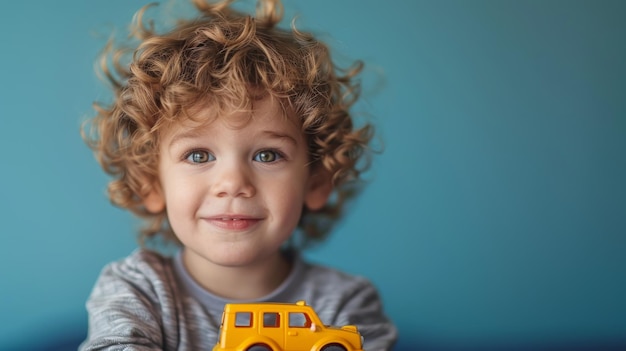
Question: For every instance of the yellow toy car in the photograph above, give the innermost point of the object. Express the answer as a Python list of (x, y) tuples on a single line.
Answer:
[(282, 327)]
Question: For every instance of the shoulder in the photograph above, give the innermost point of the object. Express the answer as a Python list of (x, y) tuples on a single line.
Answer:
[(142, 271), (141, 261), (320, 277), (332, 290)]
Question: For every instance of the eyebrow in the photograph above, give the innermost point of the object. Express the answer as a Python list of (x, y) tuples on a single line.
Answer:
[(196, 133), (189, 134), (278, 135)]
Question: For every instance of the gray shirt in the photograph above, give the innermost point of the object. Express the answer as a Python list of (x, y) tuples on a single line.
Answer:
[(150, 302)]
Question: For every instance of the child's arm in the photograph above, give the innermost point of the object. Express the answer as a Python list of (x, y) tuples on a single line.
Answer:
[(126, 308), (341, 299), (364, 309)]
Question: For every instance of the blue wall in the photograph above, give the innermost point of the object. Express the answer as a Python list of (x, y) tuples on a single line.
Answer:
[(496, 216)]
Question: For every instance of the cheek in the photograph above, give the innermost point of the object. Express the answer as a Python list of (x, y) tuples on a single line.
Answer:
[(181, 199), (286, 210), (288, 195)]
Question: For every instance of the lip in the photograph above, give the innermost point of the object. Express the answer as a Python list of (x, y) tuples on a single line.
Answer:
[(232, 222)]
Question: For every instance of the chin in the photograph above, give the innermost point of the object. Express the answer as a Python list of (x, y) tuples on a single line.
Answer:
[(237, 260)]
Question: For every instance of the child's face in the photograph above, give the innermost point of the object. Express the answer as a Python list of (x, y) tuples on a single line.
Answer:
[(234, 193)]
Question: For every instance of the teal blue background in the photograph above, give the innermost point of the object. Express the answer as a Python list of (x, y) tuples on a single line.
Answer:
[(496, 216)]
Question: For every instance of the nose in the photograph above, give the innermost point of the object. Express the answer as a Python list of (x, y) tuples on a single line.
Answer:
[(233, 179)]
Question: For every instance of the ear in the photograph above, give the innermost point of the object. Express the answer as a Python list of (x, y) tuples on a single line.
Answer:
[(318, 190), (155, 201)]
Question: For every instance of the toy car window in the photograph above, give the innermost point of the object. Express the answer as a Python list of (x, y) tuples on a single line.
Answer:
[(243, 319), (271, 319), (299, 320)]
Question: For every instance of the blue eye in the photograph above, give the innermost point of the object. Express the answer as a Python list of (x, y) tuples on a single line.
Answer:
[(267, 156), (199, 157)]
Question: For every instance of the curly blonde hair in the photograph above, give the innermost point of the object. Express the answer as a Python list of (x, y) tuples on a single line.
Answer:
[(217, 58)]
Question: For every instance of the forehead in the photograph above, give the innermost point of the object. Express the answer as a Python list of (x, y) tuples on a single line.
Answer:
[(267, 112)]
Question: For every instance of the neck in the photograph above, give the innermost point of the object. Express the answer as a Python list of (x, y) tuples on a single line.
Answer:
[(240, 283)]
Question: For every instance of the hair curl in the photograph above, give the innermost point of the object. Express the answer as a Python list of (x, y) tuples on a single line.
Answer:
[(217, 58)]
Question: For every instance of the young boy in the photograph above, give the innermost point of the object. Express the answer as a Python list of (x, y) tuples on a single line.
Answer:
[(227, 134)]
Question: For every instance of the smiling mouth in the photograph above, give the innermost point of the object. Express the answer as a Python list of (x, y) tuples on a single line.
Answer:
[(233, 223)]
